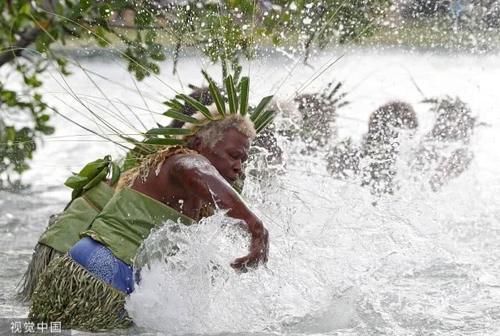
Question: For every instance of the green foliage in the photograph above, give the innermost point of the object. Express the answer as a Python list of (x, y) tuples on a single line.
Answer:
[(17, 142), (93, 173), (37, 25)]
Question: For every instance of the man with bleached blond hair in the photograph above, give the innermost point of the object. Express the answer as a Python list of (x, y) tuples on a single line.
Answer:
[(86, 288)]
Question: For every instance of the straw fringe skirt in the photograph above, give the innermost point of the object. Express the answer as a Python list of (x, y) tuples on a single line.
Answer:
[(42, 256), (69, 294), (40, 260)]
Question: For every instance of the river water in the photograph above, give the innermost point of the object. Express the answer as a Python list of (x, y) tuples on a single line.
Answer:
[(417, 263)]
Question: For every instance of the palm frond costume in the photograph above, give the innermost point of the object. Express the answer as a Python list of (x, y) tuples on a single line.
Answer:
[(90, 195)]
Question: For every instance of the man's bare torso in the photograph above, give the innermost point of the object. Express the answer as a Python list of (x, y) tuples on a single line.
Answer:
[(165, 185)]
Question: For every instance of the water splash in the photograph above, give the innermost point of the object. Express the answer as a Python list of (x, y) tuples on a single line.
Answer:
[(337, 263)]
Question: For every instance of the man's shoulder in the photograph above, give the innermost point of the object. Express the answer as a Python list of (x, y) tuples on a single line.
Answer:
[(186, 157), (186, 167), (188, 161)]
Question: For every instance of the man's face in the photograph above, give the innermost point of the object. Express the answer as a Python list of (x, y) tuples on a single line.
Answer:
[(229, 154)]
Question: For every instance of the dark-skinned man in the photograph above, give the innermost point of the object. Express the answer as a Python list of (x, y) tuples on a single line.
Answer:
[(86, 288)]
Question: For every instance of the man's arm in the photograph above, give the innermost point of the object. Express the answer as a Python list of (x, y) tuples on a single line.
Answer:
[(200, 178)]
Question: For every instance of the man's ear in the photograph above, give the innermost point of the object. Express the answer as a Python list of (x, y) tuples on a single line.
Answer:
[(196, 143)]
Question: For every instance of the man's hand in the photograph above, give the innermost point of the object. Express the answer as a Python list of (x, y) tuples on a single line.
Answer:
[(259, 249)]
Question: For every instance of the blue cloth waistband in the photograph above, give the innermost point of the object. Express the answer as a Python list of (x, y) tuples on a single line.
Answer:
[(100, 261)]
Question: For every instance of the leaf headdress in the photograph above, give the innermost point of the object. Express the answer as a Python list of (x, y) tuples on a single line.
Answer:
[(235, 102)]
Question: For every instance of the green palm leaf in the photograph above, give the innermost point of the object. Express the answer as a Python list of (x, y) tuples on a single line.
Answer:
[(181, 117), (231, 95), (216, 94), (260, 108), (244, 90), (266, 119), (174, 104), (169, 131), (196, 105)]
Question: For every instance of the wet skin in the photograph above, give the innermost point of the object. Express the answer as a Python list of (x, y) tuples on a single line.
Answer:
[(186, 182)]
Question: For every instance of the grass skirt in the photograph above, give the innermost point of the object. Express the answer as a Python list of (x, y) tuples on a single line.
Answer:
[(69, 294), (41, 258)]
